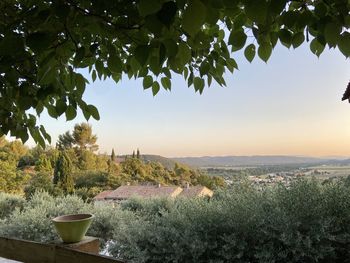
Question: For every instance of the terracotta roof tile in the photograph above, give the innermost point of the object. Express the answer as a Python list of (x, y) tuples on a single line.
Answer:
[(196, 191), (127, 191), (102, 195)]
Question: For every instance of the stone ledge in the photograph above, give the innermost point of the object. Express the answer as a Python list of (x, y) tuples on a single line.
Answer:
[(88, 244)]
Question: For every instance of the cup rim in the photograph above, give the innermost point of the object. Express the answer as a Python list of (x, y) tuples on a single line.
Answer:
[(70, 218)]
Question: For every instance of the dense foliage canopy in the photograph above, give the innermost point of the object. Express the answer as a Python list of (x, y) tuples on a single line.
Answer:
[(306, 222), (81, 136), (43, 44), (75, 168)]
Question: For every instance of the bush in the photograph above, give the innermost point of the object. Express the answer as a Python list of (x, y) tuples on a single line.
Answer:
[(90, 179), (107, 219), (87, 194), (41, 181), (9, 203), (148, 207), (306, 222), (34, 221)]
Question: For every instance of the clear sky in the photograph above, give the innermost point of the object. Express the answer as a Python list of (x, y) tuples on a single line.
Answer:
[(291, 106)]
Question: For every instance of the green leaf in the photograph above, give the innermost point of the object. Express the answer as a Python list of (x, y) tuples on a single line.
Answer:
[(273, 38), (154, 65), (171, 47), (212, 16), (167, 13), (94, 112), (93, 75), (231, 64), (184, 55), (332, 34), (48, 60), (166, 72), (237, 39), (316, 47), (80, 83), (147, 82), (79, 56), (25, 102), (240, 20), (185, 73), (134, 65), (198, 84), (34, 132), (115, 64), (52, 111), (153, 24), (141, 54), (249, 52), (60, 107), (99, 68), (147, 7), (204, 68), (321, 9), (210, 79), (344, 44), (264, 51), (190, 79), (155, 88), (85, 111), (46, 75), (39, 108), (11, 44), (298, 39), (162, 54), (71, 113), (194, 17), (39, 41), (45, 134), (166, 83), (285, 37), (23, 135), (277, 6), (256, 10)]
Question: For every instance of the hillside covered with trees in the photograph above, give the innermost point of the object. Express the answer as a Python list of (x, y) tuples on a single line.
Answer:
[(74, 166)]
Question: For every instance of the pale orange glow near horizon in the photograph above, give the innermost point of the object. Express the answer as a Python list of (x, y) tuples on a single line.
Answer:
[(289, 106)]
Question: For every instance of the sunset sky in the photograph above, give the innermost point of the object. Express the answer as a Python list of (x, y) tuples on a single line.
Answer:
[(289, 106)]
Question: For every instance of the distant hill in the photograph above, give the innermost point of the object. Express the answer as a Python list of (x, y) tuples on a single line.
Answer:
[(344, 162), (256, 160), (166, 162)]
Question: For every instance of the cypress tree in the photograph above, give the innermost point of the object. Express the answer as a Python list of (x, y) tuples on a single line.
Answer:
[(113, 155), (138, 153), (133, 154), (63, 173)]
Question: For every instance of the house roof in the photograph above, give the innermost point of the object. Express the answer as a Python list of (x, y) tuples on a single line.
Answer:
[(196, 191), (127, 191), (119, 160), (102, 195)]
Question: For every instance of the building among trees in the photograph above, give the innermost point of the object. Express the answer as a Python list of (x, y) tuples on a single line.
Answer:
[(126, 192)]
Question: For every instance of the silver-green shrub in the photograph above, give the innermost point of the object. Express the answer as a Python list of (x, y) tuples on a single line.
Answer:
[(107, 219), (306, 222), (33, 222), (9, 203)]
